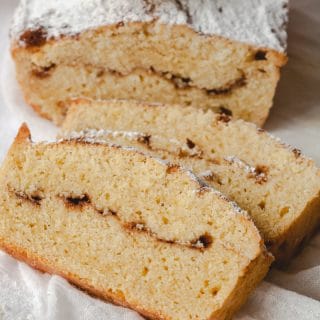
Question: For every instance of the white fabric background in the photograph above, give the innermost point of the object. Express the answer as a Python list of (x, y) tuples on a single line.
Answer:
[(284, 295)]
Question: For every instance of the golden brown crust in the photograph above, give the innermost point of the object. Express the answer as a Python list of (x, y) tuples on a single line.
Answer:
[(23, 137), (23, 134), (245, 285), (297, 235), (251, 277), (42, 265)]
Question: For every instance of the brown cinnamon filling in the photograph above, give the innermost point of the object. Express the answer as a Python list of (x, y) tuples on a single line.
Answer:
[(172, 168), (213, 177), (76, 201), (228, 88), (79, 202), (190, 144), (180, 83), (226, 111), (43, 72), (34, 38), (186, 83), (33, 198), (145, 140), (260, 174), (203, 242)]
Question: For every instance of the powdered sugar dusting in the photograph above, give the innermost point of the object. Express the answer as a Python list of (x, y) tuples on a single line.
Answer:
[(173, 144), (241, 164), (258, 22), (93, 133)]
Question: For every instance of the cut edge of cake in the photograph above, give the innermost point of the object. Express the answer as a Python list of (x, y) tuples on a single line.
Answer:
[(250, 276), (290, 240)]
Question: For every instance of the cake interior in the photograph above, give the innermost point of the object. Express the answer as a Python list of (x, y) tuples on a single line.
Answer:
[(117, 223), (276, 185)]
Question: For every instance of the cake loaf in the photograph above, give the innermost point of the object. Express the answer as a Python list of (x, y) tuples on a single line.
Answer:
[(128, 228), (278, 186), (212, 54)]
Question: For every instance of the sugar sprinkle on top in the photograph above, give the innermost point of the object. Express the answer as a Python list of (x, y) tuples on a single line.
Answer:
[(257, 22)]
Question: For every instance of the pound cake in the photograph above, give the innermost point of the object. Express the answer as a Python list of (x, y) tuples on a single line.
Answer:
[(278, 186), (212, 54), (129, 228)]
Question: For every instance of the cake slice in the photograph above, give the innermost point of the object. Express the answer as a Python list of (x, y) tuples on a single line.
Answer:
[(278, 186), (219, 55), (129, 228)]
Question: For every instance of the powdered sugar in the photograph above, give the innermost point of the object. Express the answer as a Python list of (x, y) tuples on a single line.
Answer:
[(241, 164), (258, 22), (173, 144), (92, 133)]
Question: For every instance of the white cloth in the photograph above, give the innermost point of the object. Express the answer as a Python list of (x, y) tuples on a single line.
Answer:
[(26, 294)]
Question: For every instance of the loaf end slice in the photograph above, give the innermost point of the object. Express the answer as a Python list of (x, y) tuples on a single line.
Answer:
[(141, 52)]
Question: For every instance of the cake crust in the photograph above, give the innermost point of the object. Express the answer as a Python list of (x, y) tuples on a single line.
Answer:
[(42, 265), (249, 280)]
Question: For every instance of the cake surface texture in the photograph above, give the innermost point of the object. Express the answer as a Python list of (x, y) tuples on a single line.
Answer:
[(275, 183), (257, 22), (129, 228), (213, 55)]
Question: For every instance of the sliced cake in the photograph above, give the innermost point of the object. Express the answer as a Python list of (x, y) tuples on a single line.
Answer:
[(278, 186), (129, 228), (213, 54)]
